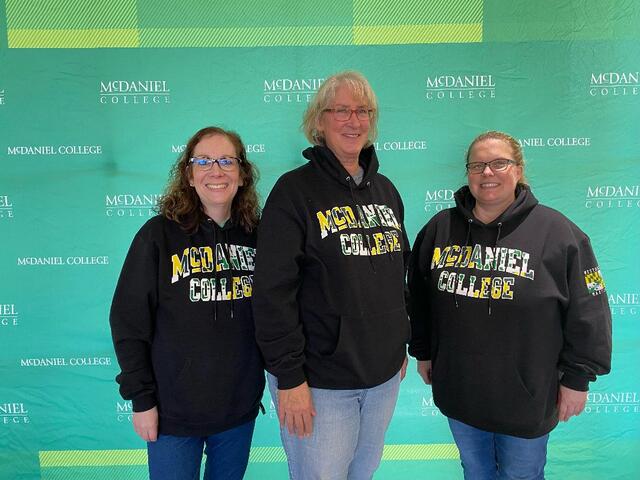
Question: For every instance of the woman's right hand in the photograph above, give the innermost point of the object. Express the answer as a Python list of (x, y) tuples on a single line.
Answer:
[(295, 410), (424, 370), (146, 424)]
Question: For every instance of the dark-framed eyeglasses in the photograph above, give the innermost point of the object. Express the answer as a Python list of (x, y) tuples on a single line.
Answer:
[(226, 163), (497, 165), (342, 114)]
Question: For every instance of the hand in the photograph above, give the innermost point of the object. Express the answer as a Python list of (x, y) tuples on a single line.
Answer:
[(146, 424), (295, 410), (424, 370), (570, 403), (403, 369)]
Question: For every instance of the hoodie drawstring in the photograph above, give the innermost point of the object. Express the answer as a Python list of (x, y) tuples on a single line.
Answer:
[(217, 277), (363, 233), (466, 244), (230, 279), (380, 230), (215, 271), (495, 246)]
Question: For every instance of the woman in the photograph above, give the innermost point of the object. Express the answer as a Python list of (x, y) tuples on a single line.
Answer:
[(181, 316), (509, 315), (329, 307)]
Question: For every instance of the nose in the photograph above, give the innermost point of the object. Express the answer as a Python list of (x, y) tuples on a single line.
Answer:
[(216, 170), (354, 120), (487, 171)]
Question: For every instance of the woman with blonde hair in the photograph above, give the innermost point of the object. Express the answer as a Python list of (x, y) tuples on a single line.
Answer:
[(329, 307)]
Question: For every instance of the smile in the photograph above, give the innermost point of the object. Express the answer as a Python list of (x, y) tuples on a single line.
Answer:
[(216, 186)]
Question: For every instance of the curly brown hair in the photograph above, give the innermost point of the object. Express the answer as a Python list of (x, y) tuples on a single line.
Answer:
[(181, 203)]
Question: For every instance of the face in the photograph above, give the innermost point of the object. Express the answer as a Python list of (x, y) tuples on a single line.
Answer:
[(215, 187), (347, 138), (489, 188)]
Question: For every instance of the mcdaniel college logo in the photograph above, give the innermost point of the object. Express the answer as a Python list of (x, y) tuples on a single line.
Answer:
[(6, 207), (134, 92), (614, 84), (460, 87), (131, 204), (612, 196), (290, 90), (9, 316)]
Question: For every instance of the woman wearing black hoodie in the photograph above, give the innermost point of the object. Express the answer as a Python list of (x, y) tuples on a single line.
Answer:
[(509, 315), (329, 305), (181, 316)]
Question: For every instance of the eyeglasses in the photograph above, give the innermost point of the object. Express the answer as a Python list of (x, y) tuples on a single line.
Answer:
[(497, 165), (225, 163), (343, 114)]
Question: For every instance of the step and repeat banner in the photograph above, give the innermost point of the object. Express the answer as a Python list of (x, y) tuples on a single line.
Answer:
[(97, 100)]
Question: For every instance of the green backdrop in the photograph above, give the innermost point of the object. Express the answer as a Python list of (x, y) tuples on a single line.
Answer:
[(98, 98)]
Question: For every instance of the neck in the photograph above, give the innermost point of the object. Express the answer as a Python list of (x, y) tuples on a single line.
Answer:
[(488, 213), (351, 165), (220, 215)]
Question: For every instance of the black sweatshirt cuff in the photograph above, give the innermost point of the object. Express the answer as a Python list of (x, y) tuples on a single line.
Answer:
[(575, 382), (291, 379), (144, 403)]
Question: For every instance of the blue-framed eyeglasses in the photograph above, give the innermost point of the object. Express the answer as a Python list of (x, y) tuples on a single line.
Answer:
[(226, 163)]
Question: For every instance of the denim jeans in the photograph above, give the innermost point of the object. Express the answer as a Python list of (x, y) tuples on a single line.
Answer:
[(494, 456), (179, 458), (348, 432)]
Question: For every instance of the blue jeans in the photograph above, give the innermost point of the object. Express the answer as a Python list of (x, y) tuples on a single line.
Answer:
[(494, 456), (179, 458), (348, 432)]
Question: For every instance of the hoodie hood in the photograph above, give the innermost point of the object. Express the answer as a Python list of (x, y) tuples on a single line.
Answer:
[(324, 160), (516, 212)]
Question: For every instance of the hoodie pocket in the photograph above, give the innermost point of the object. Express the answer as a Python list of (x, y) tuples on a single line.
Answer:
[(186, 392), (486, 388), (371, 346), (170, 373)]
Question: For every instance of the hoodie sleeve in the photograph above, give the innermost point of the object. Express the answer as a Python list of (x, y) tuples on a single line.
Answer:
[(277, 277), (406, 246), (132, 320), (420, 344), (586, 350)]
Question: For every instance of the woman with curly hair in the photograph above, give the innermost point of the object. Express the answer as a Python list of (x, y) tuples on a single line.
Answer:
[(181, 315)]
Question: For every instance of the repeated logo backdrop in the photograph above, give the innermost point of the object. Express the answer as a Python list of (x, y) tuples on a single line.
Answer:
[(97, 100)]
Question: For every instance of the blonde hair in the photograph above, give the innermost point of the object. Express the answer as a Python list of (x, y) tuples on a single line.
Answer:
[(324, 97), (518, 156)]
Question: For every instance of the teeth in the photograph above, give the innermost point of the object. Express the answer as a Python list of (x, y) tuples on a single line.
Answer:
[(217, 186), (488, 185)]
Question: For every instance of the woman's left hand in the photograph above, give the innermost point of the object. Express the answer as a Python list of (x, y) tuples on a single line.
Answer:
[(403, 369), (570, 403)]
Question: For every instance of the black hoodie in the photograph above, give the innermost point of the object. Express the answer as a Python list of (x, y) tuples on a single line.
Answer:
[(193, 357), (329, 303), (505, 311)]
